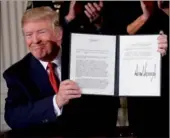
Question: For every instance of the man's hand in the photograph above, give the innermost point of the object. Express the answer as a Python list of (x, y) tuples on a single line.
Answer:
[(93, 10), (147, 8), (162, 43), (165, 10), (71, 14), (68, 90)]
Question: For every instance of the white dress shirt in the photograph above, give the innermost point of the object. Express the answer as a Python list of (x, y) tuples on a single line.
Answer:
[(57, 71)]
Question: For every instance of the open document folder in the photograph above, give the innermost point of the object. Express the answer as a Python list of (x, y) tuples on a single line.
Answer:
[(115, 65)]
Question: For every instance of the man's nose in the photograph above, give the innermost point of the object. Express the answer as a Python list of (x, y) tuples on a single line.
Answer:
[(36, 39)]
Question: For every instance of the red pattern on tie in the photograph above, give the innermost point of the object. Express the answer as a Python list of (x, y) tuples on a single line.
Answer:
[(52, 78)]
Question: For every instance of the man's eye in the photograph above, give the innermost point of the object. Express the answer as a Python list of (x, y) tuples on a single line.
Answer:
[(43, 31), (28, 35)]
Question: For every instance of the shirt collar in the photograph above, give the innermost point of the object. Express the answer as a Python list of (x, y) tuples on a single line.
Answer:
[(56, 61)]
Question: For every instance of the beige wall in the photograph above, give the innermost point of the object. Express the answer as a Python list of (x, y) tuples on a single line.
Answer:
[(12, 43)]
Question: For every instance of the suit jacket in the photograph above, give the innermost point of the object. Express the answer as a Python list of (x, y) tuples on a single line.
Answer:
[(29, 104)]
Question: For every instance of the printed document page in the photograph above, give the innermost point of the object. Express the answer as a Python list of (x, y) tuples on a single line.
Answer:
[(92, 63), (139, 66)]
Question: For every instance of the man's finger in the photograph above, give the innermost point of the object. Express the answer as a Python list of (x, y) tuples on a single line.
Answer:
[(89, 10), (67, 82), (73, 92), (88, 15), (73, 96), (101, 3), (69, 87), (161, 32), (162, 37), (163, 46), (162, 51), (97, 6), (72, 3)]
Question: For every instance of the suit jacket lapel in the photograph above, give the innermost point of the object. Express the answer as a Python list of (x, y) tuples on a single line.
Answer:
[(40, 77)]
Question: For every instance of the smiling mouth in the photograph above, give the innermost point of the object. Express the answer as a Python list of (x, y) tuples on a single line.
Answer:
[(37, 47)]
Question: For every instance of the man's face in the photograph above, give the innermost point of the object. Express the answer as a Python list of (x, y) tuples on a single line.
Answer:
[(40, 39)]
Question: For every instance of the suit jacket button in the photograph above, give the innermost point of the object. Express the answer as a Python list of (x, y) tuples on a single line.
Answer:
[(45, 121)]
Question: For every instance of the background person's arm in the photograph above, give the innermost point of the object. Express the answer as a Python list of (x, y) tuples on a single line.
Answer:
[(147, 9), (133, 27)]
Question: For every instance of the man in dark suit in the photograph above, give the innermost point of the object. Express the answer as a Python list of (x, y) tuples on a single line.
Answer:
[(31, 98), (37, 102)]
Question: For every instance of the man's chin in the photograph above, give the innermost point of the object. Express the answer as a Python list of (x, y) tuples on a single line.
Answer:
[(43, 57), (39, 57)]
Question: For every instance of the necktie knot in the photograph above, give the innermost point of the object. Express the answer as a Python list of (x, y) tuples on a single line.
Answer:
[(50, 66)]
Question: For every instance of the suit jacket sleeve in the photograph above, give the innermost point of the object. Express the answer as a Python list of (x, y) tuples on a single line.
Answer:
[(21, 112)]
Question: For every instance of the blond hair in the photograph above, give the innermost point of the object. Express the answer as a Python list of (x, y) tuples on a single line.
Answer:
[(41, 13)]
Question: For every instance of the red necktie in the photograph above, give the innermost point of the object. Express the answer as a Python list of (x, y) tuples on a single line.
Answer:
[(52, 77)]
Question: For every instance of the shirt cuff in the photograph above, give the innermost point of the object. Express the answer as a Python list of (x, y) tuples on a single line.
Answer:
[(56, 108)]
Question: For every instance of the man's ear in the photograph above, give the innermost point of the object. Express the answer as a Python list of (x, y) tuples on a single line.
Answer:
[(59, 33)]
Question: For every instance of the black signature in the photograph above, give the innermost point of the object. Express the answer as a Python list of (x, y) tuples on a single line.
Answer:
[(144, 71)]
